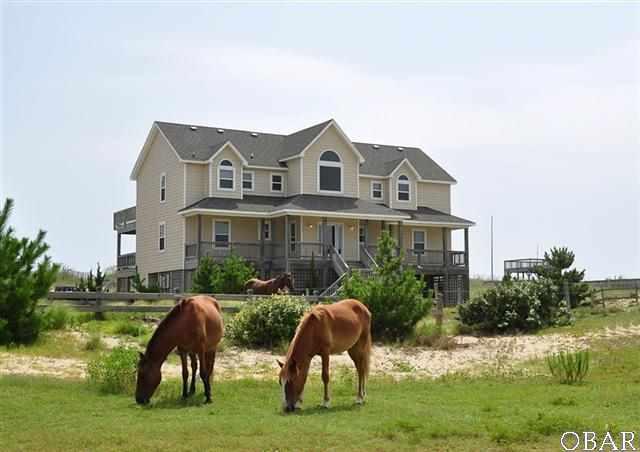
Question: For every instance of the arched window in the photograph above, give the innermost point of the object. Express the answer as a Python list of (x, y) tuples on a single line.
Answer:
[(330, 173), (404, 188), (226, 175)]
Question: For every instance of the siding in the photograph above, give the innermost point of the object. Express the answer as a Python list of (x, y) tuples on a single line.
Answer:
[(294, 177), (197, 186), (405, 170), (331, 140), (149, 210), (434, 237), (226, 154), (262, 183), (436, 196)]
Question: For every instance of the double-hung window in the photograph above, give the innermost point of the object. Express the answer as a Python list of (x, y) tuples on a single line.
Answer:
[(330, 173), (163, 187), (419, 242), (376, 190), (226, 175), (276, 182), (247, 180), (221, 234), (162, 236), (404, 189), (266, 231)]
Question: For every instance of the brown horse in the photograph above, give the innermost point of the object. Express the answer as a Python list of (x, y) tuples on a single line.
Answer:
[(194, 326), (271, 286), (327, 330)]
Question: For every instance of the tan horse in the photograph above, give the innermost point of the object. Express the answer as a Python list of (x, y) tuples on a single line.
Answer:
[(271, 286), (327, 330), (194, 326)]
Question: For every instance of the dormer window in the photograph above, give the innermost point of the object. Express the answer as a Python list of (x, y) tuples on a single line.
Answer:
[(404, 189), (330, 173), (226, 174)]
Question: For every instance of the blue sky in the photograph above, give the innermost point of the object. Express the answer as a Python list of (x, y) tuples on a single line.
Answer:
[(533, 108)]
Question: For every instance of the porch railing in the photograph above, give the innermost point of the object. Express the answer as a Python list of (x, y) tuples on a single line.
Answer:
[(427, 257), (126, 261), (255, 251)]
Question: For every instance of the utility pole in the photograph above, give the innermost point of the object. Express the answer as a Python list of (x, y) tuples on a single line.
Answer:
[(491, 247)]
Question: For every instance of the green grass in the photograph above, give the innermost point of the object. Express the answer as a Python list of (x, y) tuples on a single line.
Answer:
[(53, 344), (455, 413), (589, 320)]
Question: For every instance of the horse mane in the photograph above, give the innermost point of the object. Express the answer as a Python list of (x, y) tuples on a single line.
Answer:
[(301, 327), (164, 323)]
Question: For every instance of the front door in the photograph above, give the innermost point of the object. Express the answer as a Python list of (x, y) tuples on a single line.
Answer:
[(335, 237)]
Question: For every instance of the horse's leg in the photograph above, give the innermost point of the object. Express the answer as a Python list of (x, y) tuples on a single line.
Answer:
[(211, 361), (194, 369), (202, 356), (185, 374), (326, 402), (359, 353)]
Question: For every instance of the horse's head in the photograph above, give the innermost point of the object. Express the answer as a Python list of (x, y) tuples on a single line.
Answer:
[(149, 377), (292, 378), (285, 280)]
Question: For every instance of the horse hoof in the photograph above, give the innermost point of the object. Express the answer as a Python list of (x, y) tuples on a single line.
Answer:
[(207, 401), (359, 401), (325, 404)]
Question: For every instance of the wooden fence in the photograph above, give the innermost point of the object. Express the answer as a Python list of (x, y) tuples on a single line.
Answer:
[(615, 289), (152, 302)]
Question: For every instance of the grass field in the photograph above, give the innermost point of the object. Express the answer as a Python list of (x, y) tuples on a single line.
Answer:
[(455, 413)]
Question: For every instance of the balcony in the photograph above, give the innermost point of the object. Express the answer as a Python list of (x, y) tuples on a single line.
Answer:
[(124, 221), (127, 261)]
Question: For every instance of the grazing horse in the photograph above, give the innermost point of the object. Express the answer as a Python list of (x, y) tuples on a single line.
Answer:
[(194, 326), (271, 286), (327, 330)]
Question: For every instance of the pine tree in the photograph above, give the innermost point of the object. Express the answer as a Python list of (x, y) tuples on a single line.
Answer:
[(82, 286), (557, 262), (99, 278), (203, 278), (91, 285), (26, 274)]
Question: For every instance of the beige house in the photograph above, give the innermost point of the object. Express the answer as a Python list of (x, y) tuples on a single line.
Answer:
[(281, 200)]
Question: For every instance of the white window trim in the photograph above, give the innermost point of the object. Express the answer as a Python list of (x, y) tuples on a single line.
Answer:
[(233, 170), (162, 226), (266, 222), (163, 175), (330, 164), (408, 182), (213, 228), (253, 180), (281, 183), (413, 239), (381, 190)]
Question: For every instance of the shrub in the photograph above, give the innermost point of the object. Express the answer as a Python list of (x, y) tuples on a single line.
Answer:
[(129, 328), (569, 367), (203, 276), (137, 283), (26, 275), (56, 318), (267, 321), (114, 372), (94, 343), (394, 297), (229, 277), (556, 270), (513, 306)]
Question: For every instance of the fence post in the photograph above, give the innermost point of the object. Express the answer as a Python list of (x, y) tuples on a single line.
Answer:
[(439, 313), (636, 292), (604, 306)]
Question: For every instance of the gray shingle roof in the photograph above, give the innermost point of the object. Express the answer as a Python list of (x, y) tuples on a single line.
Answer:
[(266, 149), (329, 204)]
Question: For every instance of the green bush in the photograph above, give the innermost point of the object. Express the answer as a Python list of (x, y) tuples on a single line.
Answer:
[(394, 296), (94, 343), (26, 275), (130, 328), (228, 277), (569, 367), (114, 372), (555, 269), (57, 318), (514, 306), (267, 321)]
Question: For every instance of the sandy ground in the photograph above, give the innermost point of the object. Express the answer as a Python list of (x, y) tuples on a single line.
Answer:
[(471, 355)]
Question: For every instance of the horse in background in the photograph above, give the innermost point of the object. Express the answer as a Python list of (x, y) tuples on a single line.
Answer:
[(194, 326), (327, 330), (281, 283)]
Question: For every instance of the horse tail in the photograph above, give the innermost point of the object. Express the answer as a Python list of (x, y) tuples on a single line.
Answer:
[(248, 285), (367, 342)]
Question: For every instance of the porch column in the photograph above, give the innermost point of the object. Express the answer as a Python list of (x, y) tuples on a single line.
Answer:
[(261, 251), (287, 240), (366, 233), (466, 263), (400, 234), (198, 250), (119, 246), (446, 266), (323, 236)]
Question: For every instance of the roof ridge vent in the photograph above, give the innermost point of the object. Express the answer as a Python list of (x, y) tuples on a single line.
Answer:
[(376, 146), (252, 156), (400, 148), (194, 128), (254, 134), (220, 130)]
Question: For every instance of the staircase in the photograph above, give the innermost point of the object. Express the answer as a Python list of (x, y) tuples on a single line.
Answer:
[(344, 269)]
